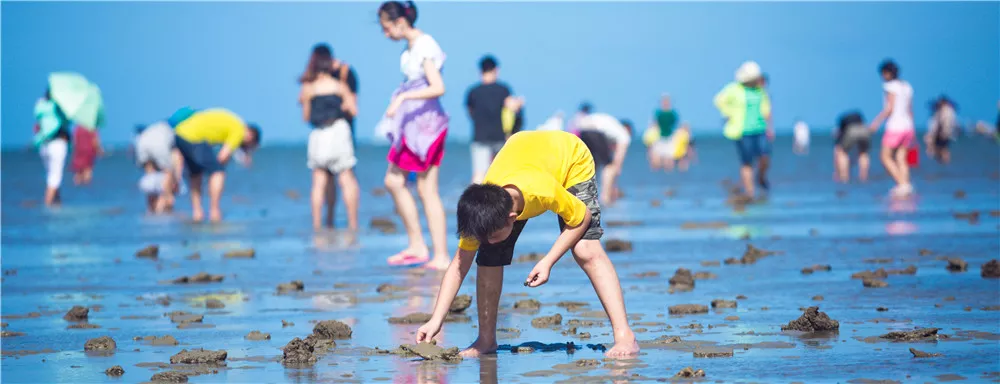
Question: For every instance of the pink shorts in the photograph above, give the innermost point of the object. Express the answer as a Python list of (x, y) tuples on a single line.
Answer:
[(898, 139), (406, 160)]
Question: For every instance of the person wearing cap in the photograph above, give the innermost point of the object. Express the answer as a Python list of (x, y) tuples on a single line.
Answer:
[(747, 109), (196, 133)]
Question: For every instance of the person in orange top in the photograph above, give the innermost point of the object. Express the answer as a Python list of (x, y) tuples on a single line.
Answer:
[(535, 172)]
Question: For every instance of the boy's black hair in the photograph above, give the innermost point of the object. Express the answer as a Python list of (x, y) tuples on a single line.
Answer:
[(890, 67), (487, 64), (482, 210), (256, 136)]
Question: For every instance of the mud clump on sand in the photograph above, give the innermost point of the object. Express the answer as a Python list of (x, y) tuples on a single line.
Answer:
[(78, 313), (623, 223), (646, 274), (991, 269), (816, 268), (741, 297), (682, 281), (115, 371), (248, 253), (289, 287), (428, 351), (687, 309), (298, 352), (103, 343), (704, 225), (287, 324), (169, 377), (705, 276), (387, 288), (333, 329), (547, 321), (198, 356), (817, 298), (530, 257), (382, 224), (711, 352), (750, 256), (720, 303), (688, 373), (4, 334), (201, 277), (529, 304), (922, 354), (181, 317), (874, 283), (617, 245), (214, 304), (421, 317), (812, 320), (910, 270), (166, 340), (882, 309), (150, 252), (572, 306), (921, 334), (83, 326), (972, 217), (257, 336), (710, 263), (957, 265), (460, 304), (876, 274), (193, 256)]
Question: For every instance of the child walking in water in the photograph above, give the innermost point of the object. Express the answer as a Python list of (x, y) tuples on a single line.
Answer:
[(326, 104), (86, 149), (897, 113), (416, 125), (535, 172)]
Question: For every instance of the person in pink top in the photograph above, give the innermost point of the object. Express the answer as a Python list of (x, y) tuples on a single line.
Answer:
[(897, 114)]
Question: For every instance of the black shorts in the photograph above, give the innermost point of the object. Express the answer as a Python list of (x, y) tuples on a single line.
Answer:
[(599, 145), (502, 253)]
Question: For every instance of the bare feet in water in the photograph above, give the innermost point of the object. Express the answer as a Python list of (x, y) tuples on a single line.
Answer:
[(480, 348), (623, 349), (215, 216), (410, 256)]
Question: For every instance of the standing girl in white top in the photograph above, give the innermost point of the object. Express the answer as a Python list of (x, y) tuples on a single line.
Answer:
[(897, 113), (416, 124)]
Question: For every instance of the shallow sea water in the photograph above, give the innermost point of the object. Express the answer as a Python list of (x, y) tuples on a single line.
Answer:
[(83, 254)]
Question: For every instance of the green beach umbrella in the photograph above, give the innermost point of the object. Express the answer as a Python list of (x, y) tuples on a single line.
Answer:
[(78, 98)]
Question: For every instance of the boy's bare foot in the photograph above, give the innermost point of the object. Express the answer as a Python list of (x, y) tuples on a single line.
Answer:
[(480, 348), (623, 349), (439, 263), (197, 216)]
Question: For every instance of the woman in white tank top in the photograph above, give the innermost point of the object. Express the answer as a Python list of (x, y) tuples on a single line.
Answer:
[(897, 113)]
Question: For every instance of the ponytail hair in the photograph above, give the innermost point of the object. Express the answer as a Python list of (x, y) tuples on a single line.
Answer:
[(394, 10), (320, 59)]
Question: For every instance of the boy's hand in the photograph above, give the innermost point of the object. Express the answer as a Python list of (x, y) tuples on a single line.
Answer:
[(539, 274), (428, 331)]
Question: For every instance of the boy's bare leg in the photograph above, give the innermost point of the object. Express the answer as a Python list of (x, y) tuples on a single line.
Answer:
[(319, 196), (352, 197), (489, 285), (215, 184), (194, 186), (590, 255), (746, 175)]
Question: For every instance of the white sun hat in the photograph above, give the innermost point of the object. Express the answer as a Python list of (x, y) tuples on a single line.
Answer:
[(748, 71)]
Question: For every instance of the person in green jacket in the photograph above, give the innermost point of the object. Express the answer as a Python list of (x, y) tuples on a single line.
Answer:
[(747, 109)]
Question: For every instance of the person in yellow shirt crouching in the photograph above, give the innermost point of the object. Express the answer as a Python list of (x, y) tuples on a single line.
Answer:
[(535, 172), (196, 133)]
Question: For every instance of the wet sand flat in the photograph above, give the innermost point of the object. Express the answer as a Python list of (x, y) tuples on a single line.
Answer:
[(83, 256)]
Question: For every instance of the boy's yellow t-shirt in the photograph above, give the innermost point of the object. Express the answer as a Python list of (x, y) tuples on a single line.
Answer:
[(542, 165), (213, 126)]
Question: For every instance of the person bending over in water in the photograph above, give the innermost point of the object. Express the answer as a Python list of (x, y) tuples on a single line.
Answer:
[(851, 133), (608, 140), (535, 172), (196, 134), (153, 153), (941, 129)]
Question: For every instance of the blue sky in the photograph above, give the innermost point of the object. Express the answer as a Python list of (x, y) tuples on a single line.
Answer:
[(150, 58)]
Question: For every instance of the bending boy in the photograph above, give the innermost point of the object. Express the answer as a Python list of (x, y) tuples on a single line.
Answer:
[(534, 172)]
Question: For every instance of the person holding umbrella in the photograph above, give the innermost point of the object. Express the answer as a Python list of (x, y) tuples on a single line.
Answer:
[(81, 104), (195, 135)]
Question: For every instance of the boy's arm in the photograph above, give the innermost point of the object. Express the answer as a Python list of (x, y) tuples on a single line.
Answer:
[(451, 282)]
